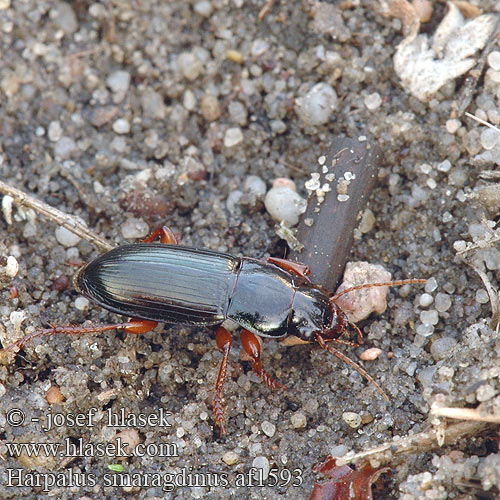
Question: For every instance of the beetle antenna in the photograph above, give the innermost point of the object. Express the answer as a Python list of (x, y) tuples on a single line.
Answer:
[(349, 361), (335, 297)]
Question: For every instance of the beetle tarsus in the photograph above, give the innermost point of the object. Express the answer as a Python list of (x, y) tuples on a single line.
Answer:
[(252, 346)]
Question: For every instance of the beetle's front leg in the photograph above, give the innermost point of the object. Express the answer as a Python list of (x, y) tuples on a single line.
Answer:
[(224, 342), (252, 346)]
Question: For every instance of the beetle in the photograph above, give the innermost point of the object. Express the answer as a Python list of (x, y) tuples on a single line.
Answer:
[(164, 282)]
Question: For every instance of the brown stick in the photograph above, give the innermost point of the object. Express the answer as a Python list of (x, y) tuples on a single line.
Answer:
[(423, 442), (65, 220), (328, 241)]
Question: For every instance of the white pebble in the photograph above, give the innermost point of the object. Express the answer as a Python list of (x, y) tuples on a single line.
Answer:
[(268, 428), (189, 65), (459, 245), (489, 138), (316, 107), (66, 238), (262, 463), (121, 126), (352, 419), (443, 302), (425, 330), (12, 267), (453, 125), (494, 60), (203, 8), (230, 458), (119, 81), (429, 317), (82, 303), (55, 131), (232, 137), (134, 228), (7, 208), (373, 101), (482, 296), (444, 166), (299, 420), (431, 285), (255, 185), (285, 205), (425, 300)]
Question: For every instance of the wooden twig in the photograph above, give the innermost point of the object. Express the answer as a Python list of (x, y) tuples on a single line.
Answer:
[(423, 442), (69, 222)]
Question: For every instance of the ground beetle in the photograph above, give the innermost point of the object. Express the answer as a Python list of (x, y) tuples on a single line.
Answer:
[(165, 282)]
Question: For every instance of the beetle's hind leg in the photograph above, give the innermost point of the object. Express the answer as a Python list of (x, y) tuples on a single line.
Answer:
[(252, 346), (224, 342)]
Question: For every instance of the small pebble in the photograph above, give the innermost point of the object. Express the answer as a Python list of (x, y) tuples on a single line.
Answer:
[(232, 137), (64, 148), (443, 302), (238, 113), (370, 354), (367, 221), (134, 228), (485, 392), (262, 463), (425, 329), (234, 55), (210, 107), (338, 451), (285, 205), (189, 65), (453, 125), (494, 60), (230, 458), (299, 420), (430, 317), (316, 107), (7, 202), (482, 296), (352, 419), (425, 300), (121, 126), (12, 267), (203, 8), (55, 131), (82, 303), (442, 347), (119, 81), (130, 438), (284, 181), (66, 238), (268, 428), (373, 101), (54, 395), (255, 185), (431, 285), (489, 138), (444, 166), (3, 390), (233, 199)]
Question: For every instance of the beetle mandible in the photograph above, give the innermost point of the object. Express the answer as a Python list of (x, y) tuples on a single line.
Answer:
[(165, 282)]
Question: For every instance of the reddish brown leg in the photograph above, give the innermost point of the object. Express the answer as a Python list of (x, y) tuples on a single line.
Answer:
[(224, 342), (165, 234), (132, 326), (297, 268), (252, 346)]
